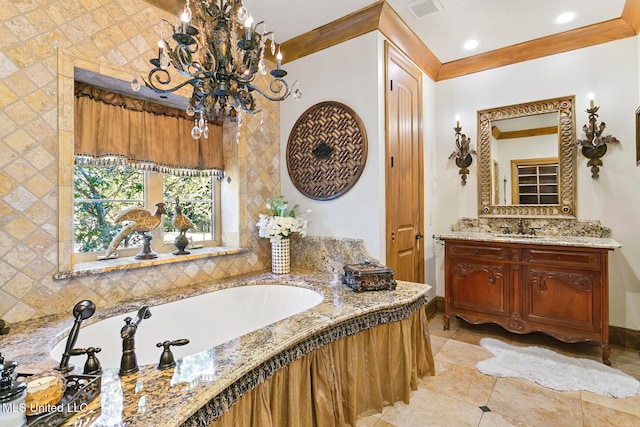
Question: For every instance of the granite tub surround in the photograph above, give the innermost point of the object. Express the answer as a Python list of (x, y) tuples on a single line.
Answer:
[(203, 385), (330, 254)]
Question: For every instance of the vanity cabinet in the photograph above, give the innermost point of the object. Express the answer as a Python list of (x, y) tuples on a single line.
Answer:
[(558, 290)]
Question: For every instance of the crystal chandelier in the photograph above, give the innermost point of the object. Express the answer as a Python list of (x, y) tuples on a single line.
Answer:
[(219, 51)]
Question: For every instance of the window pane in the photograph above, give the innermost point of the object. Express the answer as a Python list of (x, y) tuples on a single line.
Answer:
[(100, 194), (196, 200)]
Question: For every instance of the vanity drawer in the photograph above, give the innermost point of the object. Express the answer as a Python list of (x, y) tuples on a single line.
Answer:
[(568, 257), (487, 252)]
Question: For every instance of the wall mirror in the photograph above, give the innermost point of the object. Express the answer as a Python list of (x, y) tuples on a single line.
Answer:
[(527, 159)]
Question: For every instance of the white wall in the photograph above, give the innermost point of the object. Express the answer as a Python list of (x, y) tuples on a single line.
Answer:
[(351, 73), (608, 70)]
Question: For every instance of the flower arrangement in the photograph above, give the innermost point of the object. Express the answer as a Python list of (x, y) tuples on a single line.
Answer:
[(281, 222)]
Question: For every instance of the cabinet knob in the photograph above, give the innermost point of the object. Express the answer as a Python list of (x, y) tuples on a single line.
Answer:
[(491, 280)]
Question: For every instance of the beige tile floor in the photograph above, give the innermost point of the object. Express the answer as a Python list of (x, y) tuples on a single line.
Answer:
[(458, 395)]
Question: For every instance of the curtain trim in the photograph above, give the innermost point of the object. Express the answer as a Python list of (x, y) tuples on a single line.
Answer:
[(213, 409), (117, 160)]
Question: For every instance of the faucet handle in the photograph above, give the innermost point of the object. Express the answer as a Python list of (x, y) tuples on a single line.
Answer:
[(92, 365), (533, 230), (505, 229), (166, 358)]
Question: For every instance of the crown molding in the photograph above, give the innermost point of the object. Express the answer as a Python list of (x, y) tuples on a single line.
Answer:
[(381, 17)]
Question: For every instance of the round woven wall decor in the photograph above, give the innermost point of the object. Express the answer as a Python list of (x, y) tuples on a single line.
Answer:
[(326, 151)]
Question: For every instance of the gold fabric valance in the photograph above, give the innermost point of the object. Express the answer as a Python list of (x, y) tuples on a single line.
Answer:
[(111, 128)]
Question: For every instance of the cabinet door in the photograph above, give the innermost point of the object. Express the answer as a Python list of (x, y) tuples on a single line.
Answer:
[(567, 298), (481, 287)]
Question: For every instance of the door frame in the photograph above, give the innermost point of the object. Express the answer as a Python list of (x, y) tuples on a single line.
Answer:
[(392, 53)]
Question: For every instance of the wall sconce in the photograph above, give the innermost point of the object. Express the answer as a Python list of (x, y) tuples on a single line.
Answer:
[(463, 152), (595, 145)]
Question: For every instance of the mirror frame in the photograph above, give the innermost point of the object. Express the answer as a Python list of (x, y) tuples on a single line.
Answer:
[(565, 107)]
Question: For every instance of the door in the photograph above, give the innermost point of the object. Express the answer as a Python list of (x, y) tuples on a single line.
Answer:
[(404, 167)]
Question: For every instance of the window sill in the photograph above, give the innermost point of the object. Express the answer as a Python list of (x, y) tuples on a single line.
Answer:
[(129, 262)]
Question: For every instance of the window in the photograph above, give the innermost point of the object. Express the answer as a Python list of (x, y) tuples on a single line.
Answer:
[(196, 197), (535, 181), (101, 193)]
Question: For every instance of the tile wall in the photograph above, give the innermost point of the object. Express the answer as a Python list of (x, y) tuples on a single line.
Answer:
[(121, 34)]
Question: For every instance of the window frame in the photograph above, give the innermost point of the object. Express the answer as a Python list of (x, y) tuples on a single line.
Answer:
[(154, 190)]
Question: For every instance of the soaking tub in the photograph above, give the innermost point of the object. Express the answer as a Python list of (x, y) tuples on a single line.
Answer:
[(309, 312), (205, 320)]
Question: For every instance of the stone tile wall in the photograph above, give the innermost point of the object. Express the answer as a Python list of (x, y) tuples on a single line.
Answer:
[(121, 34)]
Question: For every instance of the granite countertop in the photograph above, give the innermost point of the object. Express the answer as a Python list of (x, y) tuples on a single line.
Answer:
[(172, 397), (575, 241)]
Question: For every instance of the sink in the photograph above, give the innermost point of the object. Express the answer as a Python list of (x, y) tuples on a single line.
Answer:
[(517, 236)]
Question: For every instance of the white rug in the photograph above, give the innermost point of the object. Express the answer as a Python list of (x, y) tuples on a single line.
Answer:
[(555, 371)]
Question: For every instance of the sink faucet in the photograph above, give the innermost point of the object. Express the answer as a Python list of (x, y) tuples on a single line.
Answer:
[(520, 227), (129, 362)]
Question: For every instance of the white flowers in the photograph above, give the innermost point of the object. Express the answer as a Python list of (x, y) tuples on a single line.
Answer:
[(280, 227), (281, 222)]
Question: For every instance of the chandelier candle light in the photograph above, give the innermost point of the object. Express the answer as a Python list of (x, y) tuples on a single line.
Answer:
[(219, 51)]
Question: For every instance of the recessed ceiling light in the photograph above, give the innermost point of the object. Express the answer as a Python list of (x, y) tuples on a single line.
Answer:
[(565, 17), (471, 44)]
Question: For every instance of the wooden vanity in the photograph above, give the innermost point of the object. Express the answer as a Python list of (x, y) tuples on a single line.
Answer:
[(555, 285)]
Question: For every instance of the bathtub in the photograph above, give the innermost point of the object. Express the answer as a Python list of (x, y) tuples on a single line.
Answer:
[(205, 320)]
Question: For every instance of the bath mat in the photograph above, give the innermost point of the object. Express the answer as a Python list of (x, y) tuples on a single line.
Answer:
[(556, 371)]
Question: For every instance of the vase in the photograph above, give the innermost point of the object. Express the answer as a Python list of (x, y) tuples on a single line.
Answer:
[(280, 256)]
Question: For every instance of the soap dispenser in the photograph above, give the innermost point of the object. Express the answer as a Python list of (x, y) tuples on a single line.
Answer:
[(12, 400)]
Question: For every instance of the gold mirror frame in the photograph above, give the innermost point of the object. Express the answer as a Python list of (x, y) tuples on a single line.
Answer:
[(567, 158)]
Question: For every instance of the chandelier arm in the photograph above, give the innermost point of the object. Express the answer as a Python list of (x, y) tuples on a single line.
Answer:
[(157, 89), (280, 82)]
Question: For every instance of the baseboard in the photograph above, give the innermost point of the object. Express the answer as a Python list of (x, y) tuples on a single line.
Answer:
[(628, 339), (435, 306)]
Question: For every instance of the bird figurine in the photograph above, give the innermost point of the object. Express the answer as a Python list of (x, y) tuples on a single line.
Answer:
[(181, 223), (142, 221)]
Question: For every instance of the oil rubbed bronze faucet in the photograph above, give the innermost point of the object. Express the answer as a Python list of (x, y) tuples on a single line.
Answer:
[(81, 311), (129, 362), (520, 227)]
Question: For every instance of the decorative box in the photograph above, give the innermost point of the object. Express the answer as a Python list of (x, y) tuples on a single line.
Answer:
[(368, 277)]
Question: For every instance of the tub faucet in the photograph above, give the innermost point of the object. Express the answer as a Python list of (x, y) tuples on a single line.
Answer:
[(81, 311), (129, 362)]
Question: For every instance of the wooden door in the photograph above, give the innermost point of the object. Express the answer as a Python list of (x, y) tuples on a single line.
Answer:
[(404, 167)]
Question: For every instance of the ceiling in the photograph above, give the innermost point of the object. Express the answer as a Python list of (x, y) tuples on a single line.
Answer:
[(494, 23)]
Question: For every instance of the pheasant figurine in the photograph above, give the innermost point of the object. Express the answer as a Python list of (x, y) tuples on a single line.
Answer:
[(142, 221), (183, 224)]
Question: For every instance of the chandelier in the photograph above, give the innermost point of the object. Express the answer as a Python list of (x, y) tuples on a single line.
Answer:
[(219, 51)]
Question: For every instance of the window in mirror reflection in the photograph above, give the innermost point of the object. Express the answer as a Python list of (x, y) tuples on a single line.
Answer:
[(535, 181)]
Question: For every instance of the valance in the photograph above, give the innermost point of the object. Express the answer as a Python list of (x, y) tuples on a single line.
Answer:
[(111, 128)]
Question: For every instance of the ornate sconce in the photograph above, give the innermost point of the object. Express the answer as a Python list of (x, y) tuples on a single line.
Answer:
[(463, 152), (595, 145)]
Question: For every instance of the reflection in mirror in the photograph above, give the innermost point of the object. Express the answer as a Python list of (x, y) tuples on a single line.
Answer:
[(526, 159), (524, 151)]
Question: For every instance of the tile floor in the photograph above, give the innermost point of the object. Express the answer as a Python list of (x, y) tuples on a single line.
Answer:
[(459, 395)]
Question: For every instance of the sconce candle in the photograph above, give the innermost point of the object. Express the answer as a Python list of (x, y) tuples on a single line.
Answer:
[(594, 146), (463, 152)]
